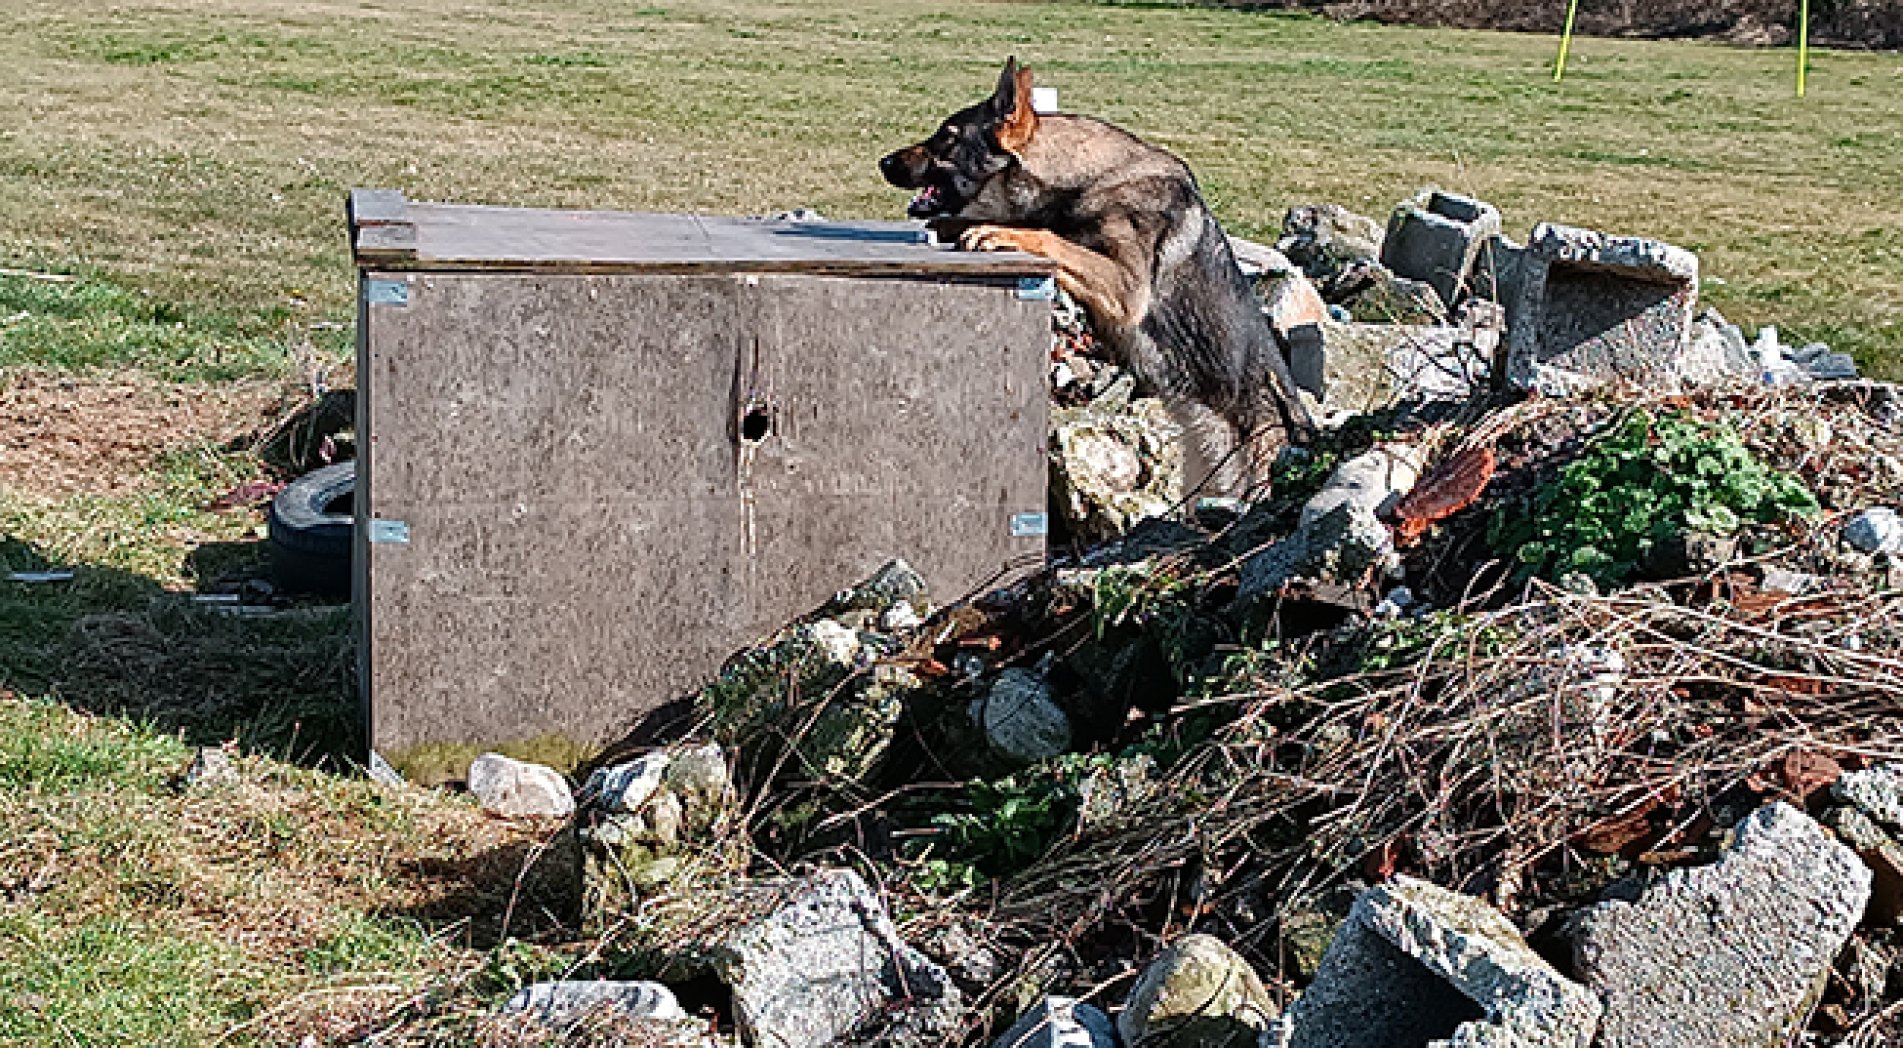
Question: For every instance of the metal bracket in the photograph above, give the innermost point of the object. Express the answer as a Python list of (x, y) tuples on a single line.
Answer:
[(390, 532), (1037, 289), (386, 292), (1030, 525)]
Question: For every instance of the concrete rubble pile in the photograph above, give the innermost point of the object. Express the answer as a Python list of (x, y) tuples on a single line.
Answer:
[(848, 838)]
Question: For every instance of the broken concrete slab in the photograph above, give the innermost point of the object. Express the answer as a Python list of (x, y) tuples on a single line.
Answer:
[(519, 789), (822, 961), (1881, 853), (1340, 540), (1198, 993), (1593, 308), (1731, 955), (1060, 1022), (1435, 237), (1323, 239), (1416, 964), (1114, 462), (1366, 367)]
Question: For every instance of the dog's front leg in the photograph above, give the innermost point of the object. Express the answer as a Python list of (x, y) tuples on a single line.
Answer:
[(1109, 291)]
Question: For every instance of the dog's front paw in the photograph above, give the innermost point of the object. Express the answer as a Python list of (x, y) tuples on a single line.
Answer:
[(999, 238)]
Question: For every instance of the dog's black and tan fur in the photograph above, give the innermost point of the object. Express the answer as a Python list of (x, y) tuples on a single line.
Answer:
[(1136, 246)]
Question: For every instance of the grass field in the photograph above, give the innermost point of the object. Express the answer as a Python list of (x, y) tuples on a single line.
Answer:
[(187, 162)]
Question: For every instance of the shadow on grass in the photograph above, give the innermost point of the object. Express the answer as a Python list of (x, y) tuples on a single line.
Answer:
[(114, 642), (528, 890)]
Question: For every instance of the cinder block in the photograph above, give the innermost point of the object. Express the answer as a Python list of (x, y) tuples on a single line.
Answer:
[(1593, 308), (1435, 238)]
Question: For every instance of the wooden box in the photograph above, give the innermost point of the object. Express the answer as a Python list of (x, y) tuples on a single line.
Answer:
[(599, 452)]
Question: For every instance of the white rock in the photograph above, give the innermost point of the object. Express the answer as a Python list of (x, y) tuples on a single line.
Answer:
[(625, 787), (1060, 1022), (837, 643), (1370, 482), (511, 787), (1875, 530), (900, 617), (1877, 792), (211, 768), (567, 1003)]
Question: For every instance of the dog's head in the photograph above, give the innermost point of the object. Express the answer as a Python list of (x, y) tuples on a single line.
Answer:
[(972, 146)]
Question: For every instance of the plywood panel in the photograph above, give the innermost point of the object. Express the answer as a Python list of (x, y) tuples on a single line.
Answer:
[(390, 232), (590, 533)]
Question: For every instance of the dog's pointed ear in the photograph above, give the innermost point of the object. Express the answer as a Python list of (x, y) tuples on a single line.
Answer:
[(1011, 104)]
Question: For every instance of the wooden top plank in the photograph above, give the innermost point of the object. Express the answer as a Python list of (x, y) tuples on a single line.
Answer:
[(478, 237)]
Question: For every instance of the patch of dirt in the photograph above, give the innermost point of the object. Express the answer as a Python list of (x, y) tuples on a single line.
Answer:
[(62, 435)]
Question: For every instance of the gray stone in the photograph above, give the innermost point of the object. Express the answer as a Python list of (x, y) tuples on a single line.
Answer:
[(639, 818), (1731, 955), (1441, 363), (1881, 853), (1876, 530), (1325, 238), (1435, 237), (1340, 540), (211, 768), (1416, 964), (625, 787), (698, 776), (1060, 1022), (822, 962), (1198, 993), (1820, 364), (517, 788), (1366, 366), (570, 1002), (1019, 718), (1877, 792), (1600, 308)]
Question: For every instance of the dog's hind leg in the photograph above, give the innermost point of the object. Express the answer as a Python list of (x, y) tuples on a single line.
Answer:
[(1214, 457)]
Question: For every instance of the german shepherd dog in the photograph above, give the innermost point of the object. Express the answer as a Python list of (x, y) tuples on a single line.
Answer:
[(1136, 246)]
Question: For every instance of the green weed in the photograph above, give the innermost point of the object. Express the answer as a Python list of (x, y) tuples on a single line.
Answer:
[(1640, 485)]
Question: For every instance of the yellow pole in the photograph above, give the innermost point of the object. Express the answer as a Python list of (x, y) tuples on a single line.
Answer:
[(1803, 43), (1566, 42)]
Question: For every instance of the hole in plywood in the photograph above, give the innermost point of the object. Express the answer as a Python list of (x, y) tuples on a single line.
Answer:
[(757, 424)]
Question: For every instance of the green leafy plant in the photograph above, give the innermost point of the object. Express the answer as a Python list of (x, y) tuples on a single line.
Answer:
[(1638, 486)]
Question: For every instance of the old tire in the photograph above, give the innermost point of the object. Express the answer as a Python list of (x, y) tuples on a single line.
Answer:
[(312, 524)]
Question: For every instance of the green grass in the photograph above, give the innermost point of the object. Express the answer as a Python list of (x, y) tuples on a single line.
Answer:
[(136, 910), (188, 163), (91, 324), (203, 156)]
